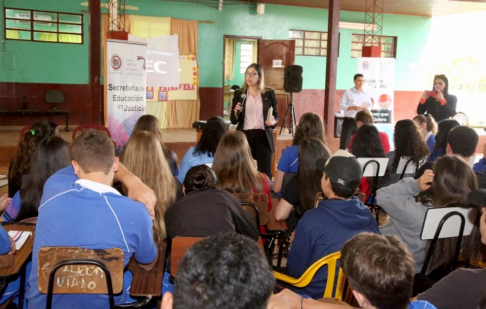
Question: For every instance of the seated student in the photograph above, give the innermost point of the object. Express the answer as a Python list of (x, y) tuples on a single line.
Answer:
[(461, 141), (300, 192), (445, 126), (203, 152), (51, 155), (221, 272), (205, 210), (428, 128), (89, 213), (480, 166), (324, 230), (367, 144), (407, 201), (143, 156), (20, 163), (410, 144), (463, 287), (235, 168), (379, 270), (365, 117), (7, 251), (310, 125), (151, 123)]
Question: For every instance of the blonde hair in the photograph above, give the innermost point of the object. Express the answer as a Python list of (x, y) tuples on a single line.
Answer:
[(234, 165), (261, 84), (151, 124), (143, 157)]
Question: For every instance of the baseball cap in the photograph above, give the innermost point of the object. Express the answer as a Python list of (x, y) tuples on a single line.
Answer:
[(342, 169)]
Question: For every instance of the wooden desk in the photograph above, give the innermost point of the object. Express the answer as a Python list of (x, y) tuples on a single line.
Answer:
[(28, 112), (148, 282), (21, 255), (272, 223), (329, 300)]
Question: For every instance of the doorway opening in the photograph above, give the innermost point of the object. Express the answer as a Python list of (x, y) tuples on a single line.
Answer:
[(239, 53)]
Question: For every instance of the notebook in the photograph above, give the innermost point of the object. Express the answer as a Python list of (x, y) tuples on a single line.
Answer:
[(20, 237)]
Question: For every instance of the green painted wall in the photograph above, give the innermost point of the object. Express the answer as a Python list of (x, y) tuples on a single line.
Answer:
[(65, 63), (43, 62)]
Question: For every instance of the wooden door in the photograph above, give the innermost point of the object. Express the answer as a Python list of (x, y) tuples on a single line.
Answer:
[(269, 50)]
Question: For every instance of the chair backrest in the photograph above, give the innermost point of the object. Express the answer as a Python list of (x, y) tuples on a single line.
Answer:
[(445, 223), (406, 166), (79, 276), (331, 261), (85, 127), (252, 210), (54, 96), (178, 248), (373, 167), (260, 200)]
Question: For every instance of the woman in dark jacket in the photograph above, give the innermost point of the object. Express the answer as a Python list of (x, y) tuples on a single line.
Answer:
[(251, 105), (441, 105)]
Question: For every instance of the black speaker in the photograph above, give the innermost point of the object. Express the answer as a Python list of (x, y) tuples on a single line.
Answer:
[(293, 78)]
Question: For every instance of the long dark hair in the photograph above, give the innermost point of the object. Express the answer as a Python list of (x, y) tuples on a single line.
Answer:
[(367, 144), (21, 162), (308, 177), (409, 143), (445, 126), (453, 180), (51, 155), (211, 135), (310, 125)]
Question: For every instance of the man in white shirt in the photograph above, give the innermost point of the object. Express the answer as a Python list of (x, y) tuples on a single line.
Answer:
[(354, 100)]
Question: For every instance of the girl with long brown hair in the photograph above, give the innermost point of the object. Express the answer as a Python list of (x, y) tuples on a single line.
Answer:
[(235, 168), (143, 156), (407, 201), (310, 125), (428, 128)]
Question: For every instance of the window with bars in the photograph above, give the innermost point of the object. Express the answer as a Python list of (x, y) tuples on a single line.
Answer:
[(309, 43), (246, 52), (388, 45), (43, 26)]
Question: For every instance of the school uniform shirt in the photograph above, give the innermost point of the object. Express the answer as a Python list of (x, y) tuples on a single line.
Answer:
[(83, 213), (13, 208), (12, 288), (322, 231), (289, 161), (430, 141), (480, 166), (352, 97), (190, 159)]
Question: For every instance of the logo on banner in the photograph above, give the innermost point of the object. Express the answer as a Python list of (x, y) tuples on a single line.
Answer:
[(116, 62), (366, 65)]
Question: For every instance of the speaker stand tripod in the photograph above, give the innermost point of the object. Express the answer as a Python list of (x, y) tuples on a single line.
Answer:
[(290, 116)]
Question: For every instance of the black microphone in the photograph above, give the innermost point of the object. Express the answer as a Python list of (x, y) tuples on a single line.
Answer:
[(243, 96)]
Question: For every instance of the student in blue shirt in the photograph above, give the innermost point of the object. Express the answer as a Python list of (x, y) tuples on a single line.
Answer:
[(80, 208), (203, 152), (480, 166), (428, 127), (7, 251)]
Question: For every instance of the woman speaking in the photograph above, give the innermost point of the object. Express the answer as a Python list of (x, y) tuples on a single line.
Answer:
[(438, 103), (251, 106)]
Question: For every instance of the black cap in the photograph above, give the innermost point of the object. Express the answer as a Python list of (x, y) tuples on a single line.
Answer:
[(342, 169)]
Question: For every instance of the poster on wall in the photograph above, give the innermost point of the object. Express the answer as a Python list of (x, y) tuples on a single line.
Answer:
[(187, 88), (379, 74), (126, 87)]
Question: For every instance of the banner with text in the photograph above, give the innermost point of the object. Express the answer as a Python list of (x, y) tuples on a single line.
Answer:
[(379, 74), (126, 84), (162, 61)]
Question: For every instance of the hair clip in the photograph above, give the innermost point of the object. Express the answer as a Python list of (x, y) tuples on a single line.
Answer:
[(32, 132)]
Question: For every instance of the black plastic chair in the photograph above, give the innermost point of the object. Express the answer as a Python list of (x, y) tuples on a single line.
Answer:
[(55, 97)]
